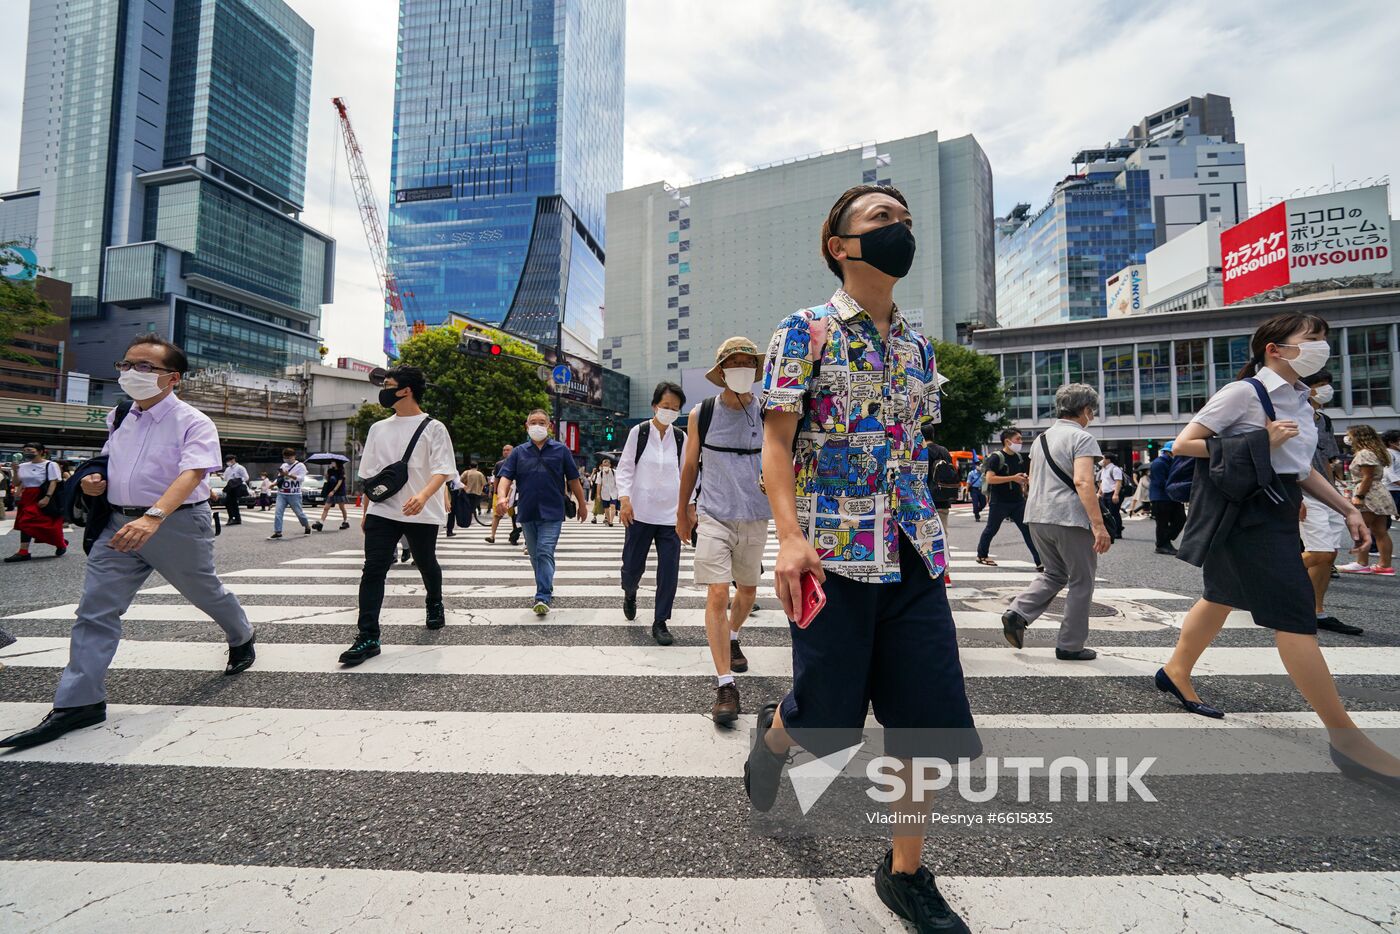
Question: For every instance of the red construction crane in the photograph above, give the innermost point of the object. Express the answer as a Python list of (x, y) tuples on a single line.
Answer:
[(396, 329)]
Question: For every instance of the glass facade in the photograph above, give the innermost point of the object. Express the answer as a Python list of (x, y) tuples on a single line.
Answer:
[(515, 108), (233, 240), (1118, 381), (1370, 356), (1016, 374), (1083, 365), (240, 89), (214, 336), (135, 274), (1049, 376), (1192, 375), (1155, 377)]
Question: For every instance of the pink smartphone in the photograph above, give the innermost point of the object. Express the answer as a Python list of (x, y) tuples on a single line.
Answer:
[(813, 599)]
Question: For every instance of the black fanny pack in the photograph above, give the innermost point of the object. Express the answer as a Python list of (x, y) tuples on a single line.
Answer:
[(391, 479)]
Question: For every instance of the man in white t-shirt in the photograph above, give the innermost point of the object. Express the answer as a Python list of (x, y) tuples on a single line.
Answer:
[(1111, 494), (289, 477), (414, 512)]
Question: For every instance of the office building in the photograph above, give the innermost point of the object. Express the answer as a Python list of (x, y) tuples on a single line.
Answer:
[(1155, 371), (41, 376), (162, 168), (691, 266), (507, 139), (1173, 171)]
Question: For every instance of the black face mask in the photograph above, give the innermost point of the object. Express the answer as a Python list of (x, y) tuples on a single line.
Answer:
[(387, 397), (889, 249)]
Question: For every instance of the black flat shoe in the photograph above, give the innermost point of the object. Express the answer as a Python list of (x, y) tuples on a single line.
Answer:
[(1166, 550), (18, 556), (1081, 655), (1332, 624), (1361, 773), (764, 767), (60, 720), (437, 616), (1165, 685), (1013, 627), (240, 657)]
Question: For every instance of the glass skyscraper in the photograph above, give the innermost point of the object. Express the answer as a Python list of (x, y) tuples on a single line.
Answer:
[(507, 139), (166, 142)]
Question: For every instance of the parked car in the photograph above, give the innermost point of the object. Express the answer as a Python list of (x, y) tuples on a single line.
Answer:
[(313, 491)]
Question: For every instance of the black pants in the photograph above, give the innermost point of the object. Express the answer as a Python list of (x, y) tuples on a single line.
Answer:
[(1113, 515), (1170, 517), (636, 546), (381, 539), (474, 502), (231, 494), (996, 513)]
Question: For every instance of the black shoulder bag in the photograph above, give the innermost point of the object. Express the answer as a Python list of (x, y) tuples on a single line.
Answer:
[(391, 479)]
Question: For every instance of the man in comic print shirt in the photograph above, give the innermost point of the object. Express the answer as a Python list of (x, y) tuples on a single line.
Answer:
[(846, 387)]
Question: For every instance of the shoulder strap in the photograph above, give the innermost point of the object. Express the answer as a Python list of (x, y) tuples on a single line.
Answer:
[(642, 438), (1058, 470), (680, 441), (123, 409), (1264, 399), (413, 442), (707, 415)]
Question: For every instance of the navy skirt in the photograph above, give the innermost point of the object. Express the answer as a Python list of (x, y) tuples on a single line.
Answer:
[(1259, 568)]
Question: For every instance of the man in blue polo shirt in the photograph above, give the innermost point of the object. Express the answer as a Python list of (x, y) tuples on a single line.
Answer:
[(540, 470)]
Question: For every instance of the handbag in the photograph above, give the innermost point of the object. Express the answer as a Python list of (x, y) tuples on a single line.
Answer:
[(391, 479)]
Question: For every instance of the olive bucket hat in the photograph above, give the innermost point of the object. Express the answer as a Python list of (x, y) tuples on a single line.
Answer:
[(735, 345)]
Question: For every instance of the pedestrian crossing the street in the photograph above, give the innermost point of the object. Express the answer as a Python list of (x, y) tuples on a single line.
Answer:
[(562, 774)]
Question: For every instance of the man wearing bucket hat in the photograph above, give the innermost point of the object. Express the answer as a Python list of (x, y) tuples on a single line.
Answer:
[(730, 514)]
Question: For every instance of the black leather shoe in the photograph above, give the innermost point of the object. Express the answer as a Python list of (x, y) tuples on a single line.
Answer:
[(317, 526), (362, 649), (18, 556), (437, 616), (738, 662), (240, 657), (1013, 627), (764, 767), (629, 605), (1356, 772), (661, 634), (915, 897), (60, 720), (1332, 624), (1167, 686), (1079, 655), (1166, 550)]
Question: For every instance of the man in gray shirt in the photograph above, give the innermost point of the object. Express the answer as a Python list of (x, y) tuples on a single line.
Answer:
[(1066, 524)]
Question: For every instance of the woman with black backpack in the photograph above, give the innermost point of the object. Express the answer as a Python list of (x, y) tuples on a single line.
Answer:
[(1243, 533)]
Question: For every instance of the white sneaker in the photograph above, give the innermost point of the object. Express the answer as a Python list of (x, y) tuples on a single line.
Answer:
[(1355, 568), (541, 608)]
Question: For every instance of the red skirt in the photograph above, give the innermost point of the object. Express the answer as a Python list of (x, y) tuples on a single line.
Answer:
[(47, 530)]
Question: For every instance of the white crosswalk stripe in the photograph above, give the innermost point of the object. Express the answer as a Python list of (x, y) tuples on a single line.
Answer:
[(468, 732)]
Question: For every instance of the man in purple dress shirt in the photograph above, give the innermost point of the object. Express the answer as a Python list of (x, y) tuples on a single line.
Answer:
[(158, 460)]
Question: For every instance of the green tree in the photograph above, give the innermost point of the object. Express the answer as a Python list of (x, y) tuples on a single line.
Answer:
[(22, 310), (974, 398), (483, 401)]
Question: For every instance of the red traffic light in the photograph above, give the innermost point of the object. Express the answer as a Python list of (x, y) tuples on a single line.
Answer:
[(496, 350)]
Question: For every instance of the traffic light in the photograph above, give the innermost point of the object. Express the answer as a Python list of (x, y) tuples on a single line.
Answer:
[(479, 347), (608, 434)]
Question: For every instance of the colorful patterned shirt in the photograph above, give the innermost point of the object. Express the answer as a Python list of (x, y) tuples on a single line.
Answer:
[(860, 459)]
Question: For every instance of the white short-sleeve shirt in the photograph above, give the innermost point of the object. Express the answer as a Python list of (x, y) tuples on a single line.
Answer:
[(1235, 410)]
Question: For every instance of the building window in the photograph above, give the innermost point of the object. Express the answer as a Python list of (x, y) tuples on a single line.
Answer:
[(673, 258), (1215, 210), (1118, 381), (685, 223), (1369, 350), (1212, 175), (673, 366), (1083, 365), (1212, 155), (673, 280), (1155, 158), (884, 182), (685, 246), (673, 236), (1049, 376), (683, 334), (672, 302), (607, 352), (1155, 377), (1231, 353), (868, 176), (617, 363), (674, 216), (672, 346), (683, 356), (1192, 376), (684, 311), (685, 267), (1016, 374), (671, 324), (617, 342), (685, 289)]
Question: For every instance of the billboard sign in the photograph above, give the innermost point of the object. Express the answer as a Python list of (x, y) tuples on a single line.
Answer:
[(1254, 254), (585, 383), (1327, 236), (431, 193), (354, 363), (1124, 291)]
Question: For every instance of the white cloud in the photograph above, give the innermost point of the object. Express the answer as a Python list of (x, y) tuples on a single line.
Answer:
[(714, 87)]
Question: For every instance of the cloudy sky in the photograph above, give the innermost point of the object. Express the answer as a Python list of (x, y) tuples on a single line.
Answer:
[(718, 85)]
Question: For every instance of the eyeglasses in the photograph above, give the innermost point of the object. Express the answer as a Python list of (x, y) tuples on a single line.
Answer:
[(142, 367)]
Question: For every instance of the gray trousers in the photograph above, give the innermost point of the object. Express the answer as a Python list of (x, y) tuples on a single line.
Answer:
[(1068, 555), (182, 550)]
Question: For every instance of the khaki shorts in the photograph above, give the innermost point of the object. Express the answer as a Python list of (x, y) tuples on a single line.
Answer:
[(729, 550)]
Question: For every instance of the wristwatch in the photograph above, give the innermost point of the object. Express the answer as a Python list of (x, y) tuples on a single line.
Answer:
[(155, 512)]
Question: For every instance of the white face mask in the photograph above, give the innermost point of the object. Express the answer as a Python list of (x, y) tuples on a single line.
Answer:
[(1014, 447), (1312, 356), (537, 433), (139, 386), (1323, 394), (740, 378), (667, 416)]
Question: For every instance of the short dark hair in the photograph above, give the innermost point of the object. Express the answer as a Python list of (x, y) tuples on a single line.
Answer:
[(1318, 378), (289, 452), (175, 358), (1110, 457), (36, 445), (1392, 436), (1008, 434), (836, 218), (410, 378), (664, 387), (230, 457)]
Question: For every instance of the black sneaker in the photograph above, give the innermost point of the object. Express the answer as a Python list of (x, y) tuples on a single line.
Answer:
[(274, 535), (317, 526), (306, 529), (1166, 550), (403, 556), (362, 649), (661, 634), (629, 606), (1332, 624), (1013, 627), (345, 525), (764, 768), (437, 616), (915, 897)]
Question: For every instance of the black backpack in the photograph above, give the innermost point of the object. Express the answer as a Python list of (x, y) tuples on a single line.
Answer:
[(65, 499), (644, 436)]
